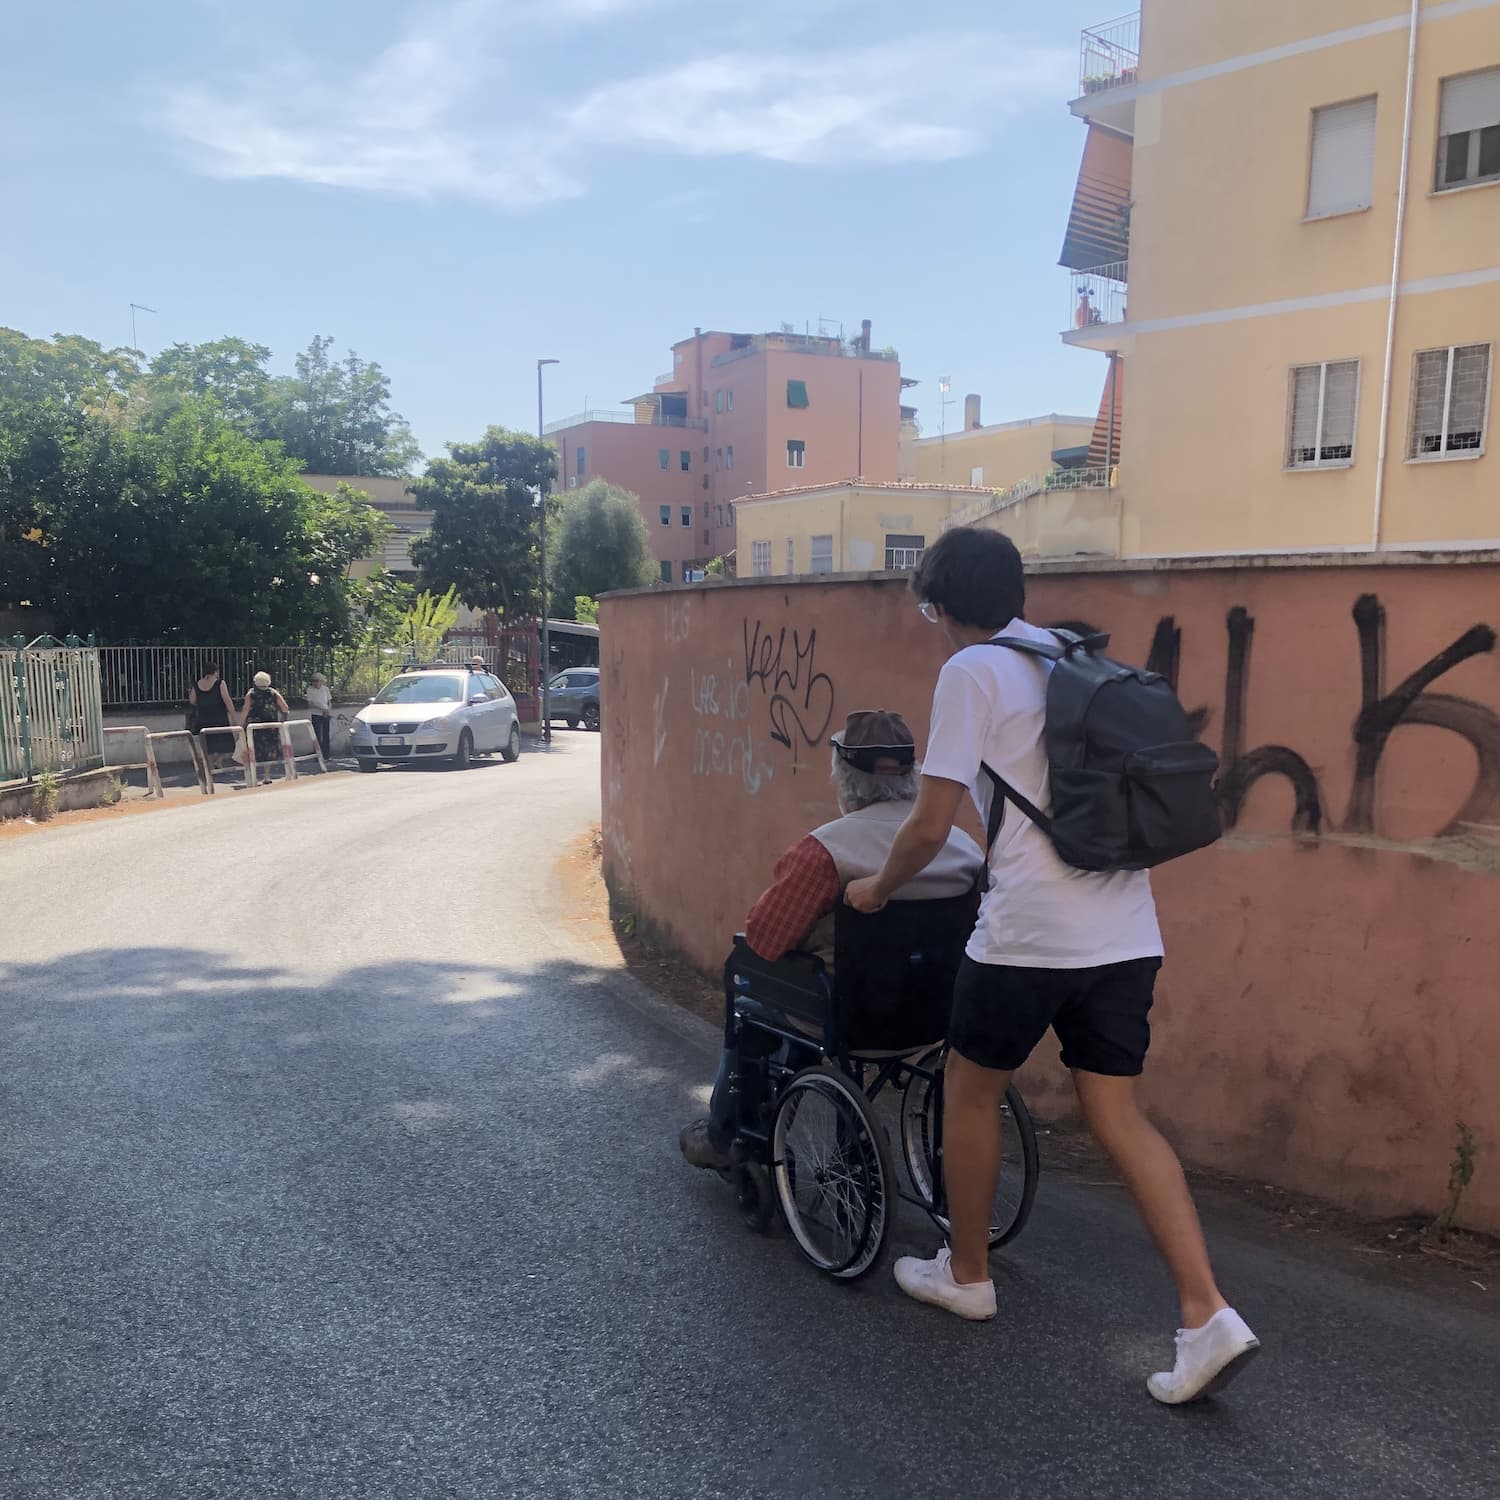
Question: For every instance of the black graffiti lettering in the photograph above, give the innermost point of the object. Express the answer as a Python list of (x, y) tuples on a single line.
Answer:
[(1165, 659), (800, 696), (1240, 769), (1411, 703)]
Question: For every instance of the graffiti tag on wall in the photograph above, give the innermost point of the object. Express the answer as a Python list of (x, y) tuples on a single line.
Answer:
[(1381, 713), (724, 739), (782, 666)]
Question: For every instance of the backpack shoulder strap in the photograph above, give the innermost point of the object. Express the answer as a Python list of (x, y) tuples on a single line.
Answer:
[(1001, 793), (1067, 644)]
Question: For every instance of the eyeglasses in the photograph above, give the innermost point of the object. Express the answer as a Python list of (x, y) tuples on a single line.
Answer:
[(929, 612)]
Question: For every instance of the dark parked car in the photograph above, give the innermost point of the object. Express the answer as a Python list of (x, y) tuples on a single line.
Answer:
[(574, 696)]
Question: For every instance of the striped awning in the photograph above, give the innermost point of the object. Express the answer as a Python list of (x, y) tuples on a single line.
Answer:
[(1099, 225)]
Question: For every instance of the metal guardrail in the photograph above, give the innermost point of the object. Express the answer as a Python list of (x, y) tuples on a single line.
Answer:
[(51, 717), (163, 676), (595, 415), (1098, 478), (625, 418), (1099, 295), (1109, 55)]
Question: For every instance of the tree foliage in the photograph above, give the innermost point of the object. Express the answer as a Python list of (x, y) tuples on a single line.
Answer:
[(69, 372), (335, 416), (483, 540), (599, 542), (191, 532)]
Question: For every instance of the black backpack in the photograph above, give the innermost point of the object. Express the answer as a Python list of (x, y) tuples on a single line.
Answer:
[(1131, 787)]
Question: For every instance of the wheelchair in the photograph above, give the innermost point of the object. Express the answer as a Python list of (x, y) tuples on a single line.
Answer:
[(813, 1050)]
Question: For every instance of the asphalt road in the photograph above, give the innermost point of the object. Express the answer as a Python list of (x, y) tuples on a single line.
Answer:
[(334, 1161)]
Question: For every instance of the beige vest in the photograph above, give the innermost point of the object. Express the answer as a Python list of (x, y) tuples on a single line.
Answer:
[(859, 843)]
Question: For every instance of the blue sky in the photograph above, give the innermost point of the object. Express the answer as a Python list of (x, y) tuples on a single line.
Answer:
[(458, 187)]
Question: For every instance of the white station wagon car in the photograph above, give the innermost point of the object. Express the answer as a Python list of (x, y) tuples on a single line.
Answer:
[(446, 714)]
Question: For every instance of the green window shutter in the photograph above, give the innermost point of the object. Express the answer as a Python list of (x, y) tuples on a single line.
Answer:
[(796, 393)]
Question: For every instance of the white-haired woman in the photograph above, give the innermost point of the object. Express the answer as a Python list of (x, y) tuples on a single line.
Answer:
[(264, 705)]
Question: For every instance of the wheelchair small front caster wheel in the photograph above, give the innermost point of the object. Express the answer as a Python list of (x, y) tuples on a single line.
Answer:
[(752, 1190)]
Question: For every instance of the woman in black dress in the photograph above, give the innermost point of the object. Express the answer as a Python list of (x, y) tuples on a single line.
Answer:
[(212, 709)]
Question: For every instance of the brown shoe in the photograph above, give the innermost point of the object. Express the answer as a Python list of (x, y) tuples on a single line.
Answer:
[(698, 1149)]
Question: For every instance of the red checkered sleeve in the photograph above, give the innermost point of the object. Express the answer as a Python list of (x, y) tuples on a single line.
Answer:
[(804, 889)]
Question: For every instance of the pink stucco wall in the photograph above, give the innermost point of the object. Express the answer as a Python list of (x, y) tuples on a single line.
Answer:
[(1330, 1009)]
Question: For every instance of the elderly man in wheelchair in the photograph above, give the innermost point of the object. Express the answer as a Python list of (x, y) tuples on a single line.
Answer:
[(826, 1009)]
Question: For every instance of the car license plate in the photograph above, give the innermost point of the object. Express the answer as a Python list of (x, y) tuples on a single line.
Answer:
[(392, 744)]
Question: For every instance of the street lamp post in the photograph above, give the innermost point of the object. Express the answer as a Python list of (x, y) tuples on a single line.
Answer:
[(541, 364)]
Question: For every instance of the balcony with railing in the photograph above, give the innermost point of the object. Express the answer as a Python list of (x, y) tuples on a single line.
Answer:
[(1110, 55), (1109, 60), (628, 418), (1097, 305)]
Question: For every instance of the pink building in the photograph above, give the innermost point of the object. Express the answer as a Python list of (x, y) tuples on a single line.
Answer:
[(739, 414)]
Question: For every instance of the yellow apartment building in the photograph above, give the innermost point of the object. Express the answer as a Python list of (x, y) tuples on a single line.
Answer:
[(999, 455), (1286, 238), (850, 527)]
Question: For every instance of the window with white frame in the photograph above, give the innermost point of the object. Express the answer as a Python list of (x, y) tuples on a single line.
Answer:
[(820, 555), (687, 515), (902, 551), (1320, 426), (666, 515), (1469, 130), (1341, 177), (664, 458), (760, 559), (791, 556), (718, 401), (729, 457), (1450, 401), (796, 453), (729, 399)]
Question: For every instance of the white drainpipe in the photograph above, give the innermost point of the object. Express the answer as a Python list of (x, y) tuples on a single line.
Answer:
[(1390, 328)]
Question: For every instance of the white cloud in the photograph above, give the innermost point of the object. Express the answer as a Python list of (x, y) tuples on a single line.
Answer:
[(443, 111), (926, 99)]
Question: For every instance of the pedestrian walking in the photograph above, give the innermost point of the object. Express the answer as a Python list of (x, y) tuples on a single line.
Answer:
[(210, 713), (1055, 946), (320, 709), (263, 705)]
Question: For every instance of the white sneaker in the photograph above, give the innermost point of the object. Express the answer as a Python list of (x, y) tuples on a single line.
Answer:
[(1208, 1358), (932, 1281)]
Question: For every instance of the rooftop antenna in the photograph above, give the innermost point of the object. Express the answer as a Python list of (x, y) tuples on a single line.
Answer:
[(136, 307), (945, 384)]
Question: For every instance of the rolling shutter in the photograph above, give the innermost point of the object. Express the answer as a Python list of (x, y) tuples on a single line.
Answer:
[(1343, 158)]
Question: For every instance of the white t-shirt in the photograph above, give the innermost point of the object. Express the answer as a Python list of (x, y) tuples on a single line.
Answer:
[(1039, 913), (319, 699)]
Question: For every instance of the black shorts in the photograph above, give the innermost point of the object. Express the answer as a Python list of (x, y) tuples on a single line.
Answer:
[(1101, 1016)]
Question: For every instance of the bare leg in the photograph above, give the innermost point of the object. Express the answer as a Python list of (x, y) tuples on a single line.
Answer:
[(971, 1161), (1154, 1176)]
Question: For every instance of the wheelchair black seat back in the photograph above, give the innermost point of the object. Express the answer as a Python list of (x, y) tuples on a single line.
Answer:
[(891, 986), (812, 1050)]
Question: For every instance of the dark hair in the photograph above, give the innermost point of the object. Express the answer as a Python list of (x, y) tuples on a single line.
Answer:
[(974, 576), (209, 665)]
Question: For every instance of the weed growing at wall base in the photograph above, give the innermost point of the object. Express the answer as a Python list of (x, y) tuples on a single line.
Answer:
[(1460, 1175), (44, 798)]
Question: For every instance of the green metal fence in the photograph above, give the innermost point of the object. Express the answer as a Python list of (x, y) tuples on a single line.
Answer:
[(51, 717)]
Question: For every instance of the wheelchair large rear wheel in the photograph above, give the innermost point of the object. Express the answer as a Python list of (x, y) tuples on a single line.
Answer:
[(831, 1173), (1019, 1165)]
